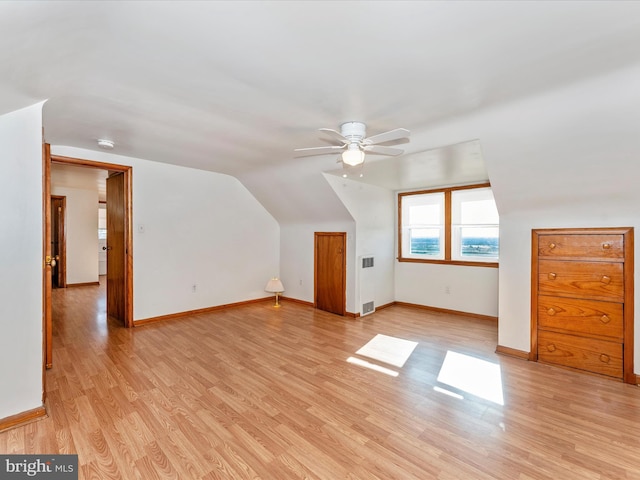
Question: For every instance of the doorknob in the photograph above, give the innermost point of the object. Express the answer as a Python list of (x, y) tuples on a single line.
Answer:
[(107, 248), (49, 261)]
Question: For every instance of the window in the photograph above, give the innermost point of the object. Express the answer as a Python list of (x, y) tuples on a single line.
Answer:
[(102, 222), (457, 225), (423, 226)]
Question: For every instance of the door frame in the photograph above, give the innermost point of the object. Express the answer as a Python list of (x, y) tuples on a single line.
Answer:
[(48, 159), (343, 236), (128, 196)]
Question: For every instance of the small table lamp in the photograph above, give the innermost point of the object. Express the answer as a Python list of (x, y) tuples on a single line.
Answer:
[(274, 286)]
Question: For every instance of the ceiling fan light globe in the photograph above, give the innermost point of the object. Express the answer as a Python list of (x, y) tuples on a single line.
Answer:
[(353, 157)]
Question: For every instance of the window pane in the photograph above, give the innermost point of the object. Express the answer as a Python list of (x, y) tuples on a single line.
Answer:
[(474, 207), (478, 212), (479, 242), (425, 241), (425, 215), (423, 225)]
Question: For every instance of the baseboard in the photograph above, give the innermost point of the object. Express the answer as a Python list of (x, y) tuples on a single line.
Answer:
[(85, 284), (357, 314), (632, 379), (386, 305), (295, 300), (146, 321), (446, 310), (171, 316), (23, 418), (512, 352)]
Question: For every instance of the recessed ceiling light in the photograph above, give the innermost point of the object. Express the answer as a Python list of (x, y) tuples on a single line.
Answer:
[(107, 144)]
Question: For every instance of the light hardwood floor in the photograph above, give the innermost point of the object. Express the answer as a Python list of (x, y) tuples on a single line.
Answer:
[(258, 392)]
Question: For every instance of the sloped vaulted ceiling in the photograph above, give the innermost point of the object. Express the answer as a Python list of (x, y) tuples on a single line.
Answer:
[(234, 87)]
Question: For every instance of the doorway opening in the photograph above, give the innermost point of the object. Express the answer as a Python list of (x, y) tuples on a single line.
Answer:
[(117, 249)]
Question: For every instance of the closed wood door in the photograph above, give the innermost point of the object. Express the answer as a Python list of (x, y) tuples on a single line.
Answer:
[(330, 271), (116, 246)]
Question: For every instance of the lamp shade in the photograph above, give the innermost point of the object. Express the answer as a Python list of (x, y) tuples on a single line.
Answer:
[(274, 286)]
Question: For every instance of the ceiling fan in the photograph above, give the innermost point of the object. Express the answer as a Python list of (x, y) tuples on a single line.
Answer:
[(352, 141)]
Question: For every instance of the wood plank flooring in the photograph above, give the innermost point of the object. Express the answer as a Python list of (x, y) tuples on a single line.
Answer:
[(264, 393)]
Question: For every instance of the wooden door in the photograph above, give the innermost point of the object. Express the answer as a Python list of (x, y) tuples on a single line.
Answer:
[(330, 271), (58, 242), (116, 247)]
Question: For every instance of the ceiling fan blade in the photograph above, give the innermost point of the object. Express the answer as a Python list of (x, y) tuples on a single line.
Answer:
[(390, 136), (335, 134), (300, 152), (379, 149)]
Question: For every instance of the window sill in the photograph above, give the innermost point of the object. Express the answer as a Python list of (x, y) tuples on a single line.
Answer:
[(465, 263)]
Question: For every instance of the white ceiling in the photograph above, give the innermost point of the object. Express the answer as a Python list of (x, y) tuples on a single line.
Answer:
[(457, 164), (234, 87)]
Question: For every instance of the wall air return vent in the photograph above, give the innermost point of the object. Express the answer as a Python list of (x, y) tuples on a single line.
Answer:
[(367, 262), (367, 281), (367, 308)]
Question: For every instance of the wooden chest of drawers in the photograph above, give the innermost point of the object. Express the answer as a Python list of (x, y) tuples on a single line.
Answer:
[(582, 300)]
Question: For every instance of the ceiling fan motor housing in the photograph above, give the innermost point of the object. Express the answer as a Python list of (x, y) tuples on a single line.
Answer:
[(353, 131)]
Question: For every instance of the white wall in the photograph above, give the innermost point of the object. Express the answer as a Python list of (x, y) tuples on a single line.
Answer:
[(193, 227), (373, 210), (297, 259), (21, 259), (453, 287), (81, 233)]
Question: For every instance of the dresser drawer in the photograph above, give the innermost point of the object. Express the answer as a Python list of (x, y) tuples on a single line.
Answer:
[(581, 316), (605, 246), (589, 354), (596, 280)]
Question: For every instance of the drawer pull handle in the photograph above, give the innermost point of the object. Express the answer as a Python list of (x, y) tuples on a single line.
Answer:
[(605, 279), (604, 358), (551, 311), (606, 246), (552, 276), (551, 347), (605, 319), (552, 245)]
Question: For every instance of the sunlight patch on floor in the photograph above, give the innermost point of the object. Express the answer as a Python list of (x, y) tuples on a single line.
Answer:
[(372, 366), (391, 350), (387, 350), (472, 375)]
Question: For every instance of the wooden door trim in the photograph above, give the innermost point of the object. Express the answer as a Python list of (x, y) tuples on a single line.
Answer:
[(128, 198), (46, 269), (344, 267)]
